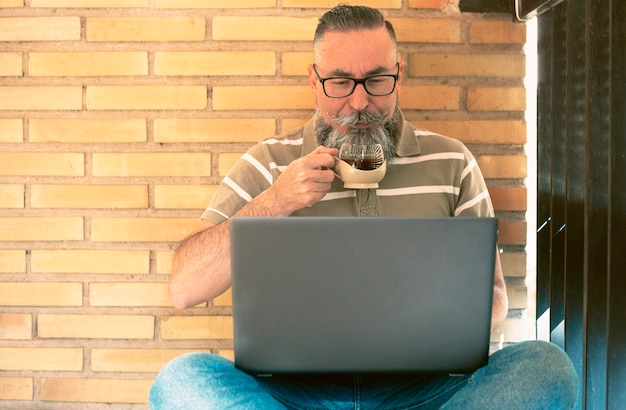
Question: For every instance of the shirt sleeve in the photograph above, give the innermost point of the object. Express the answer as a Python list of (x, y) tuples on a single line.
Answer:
[(474, 199), (251, 175)]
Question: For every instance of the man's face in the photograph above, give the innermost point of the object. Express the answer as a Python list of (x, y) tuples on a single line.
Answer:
[(359, 116)]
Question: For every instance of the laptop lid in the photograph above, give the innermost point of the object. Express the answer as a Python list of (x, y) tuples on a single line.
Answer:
[(362, 295)]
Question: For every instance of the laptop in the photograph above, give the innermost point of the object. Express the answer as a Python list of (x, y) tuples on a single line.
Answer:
[(318, 295)]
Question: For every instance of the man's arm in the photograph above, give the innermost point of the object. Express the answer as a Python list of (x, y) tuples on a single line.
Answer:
[(500, 299), (201, 266), (191, 281)]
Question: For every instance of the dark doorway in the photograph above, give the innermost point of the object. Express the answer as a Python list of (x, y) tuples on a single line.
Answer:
[(581, 214)]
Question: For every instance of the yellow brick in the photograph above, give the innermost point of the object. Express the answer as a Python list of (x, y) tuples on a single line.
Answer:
[(264, 28), (95, 390), (146, 97), (41, 228), (154, 164), (16, 388), (11, 3), (507, 198), (227, 160), (12, 261), (90, 3), (89, 196), (90, 261), (41, 164), (227, 353), (496, 99), (177, 130), (512, 232), (41, 359), (215, 63), (428, 4), (327, 4), (497, 32), (514, 330), (225, 299), (68, 64), (41, 97), (63, 326), (503, 166), (164, 262), (39, 29), (41, 294), (142, 229), (146, 29), (296, 63), (291, 123), (517, 295), (513, 264), (196, 327), (11, 130), (421, 30), (263, 98), (12, 196), (214, 4), (454, 65), (183, 196), (11, 64), (431, 97), (86, 131), (129, 294), (479, 131), (16, 326), (134, 360)]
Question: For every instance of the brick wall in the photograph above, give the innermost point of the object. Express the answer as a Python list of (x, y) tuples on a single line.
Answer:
[(119, 117)]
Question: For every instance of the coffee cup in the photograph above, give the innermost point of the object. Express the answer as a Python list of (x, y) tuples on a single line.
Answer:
[(360, 166)]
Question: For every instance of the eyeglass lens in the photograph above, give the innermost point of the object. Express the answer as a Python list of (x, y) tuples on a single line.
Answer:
[(342, 87)]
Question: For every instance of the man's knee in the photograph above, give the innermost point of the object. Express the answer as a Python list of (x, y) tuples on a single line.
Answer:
[(549, 366), (182, 376)]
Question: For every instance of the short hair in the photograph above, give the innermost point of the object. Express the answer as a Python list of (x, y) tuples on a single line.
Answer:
[(344, 18)]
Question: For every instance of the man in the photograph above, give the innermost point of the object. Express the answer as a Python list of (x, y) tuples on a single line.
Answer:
[(355, 78)]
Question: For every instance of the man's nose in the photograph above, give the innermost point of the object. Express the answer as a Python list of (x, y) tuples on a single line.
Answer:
[(359, 99)]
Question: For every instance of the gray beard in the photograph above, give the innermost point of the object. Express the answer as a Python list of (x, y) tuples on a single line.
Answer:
[(386, 135)]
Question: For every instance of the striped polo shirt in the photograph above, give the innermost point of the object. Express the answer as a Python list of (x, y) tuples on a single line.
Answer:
[(432, 176)]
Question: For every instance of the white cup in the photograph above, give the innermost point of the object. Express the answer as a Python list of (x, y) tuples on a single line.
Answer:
[(360, 166)]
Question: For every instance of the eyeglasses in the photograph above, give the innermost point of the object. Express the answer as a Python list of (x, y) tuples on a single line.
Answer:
[(376, 85)]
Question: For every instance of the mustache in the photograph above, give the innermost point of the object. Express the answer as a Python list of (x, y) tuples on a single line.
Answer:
[(387, 134), (356, 117)]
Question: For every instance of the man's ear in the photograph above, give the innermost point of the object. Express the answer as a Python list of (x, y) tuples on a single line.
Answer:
[(401, 71), (312, 78)]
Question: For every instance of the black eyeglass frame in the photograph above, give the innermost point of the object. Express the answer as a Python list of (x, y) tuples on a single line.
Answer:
[(358, 81)]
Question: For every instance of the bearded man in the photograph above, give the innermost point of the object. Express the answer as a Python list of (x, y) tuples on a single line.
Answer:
[(355, 78)]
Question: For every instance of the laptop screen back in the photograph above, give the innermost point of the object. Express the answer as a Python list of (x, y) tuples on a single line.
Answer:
[(362, 295)]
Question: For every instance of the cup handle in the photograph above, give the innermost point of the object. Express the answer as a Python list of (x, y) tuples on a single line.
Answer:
[(335, 168)]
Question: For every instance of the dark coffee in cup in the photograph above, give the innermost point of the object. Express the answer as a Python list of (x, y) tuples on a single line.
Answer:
[(365, 164)]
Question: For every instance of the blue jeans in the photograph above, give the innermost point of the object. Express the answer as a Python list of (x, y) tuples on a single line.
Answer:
[(526, 376)]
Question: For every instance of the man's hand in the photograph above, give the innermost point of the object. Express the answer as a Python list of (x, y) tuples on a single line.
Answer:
[(201, 267), (304, 182)]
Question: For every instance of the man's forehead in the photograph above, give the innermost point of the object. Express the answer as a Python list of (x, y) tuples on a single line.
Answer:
[(342, 72)]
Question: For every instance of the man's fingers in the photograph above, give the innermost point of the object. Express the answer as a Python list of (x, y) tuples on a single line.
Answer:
[(325, 150), (322, 157)]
